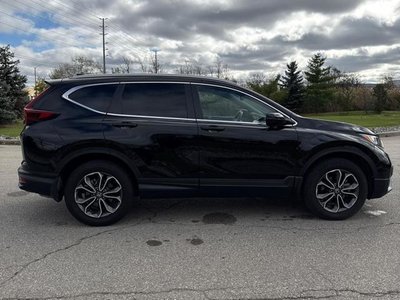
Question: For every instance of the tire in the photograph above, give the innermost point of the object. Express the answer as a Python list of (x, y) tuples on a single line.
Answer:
[(98, 193), (335, 189)]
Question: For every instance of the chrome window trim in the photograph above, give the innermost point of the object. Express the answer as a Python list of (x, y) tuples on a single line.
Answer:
[(251, 96), (230, 123), (78, 87), (150, 117)]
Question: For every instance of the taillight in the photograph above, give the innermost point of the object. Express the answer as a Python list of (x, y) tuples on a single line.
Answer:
[(34, 115)]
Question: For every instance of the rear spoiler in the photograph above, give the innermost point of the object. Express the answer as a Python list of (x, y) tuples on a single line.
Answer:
[(53, 82)]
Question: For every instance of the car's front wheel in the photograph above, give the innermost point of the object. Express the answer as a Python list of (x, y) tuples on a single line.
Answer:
[(335, 189), (98, 193)]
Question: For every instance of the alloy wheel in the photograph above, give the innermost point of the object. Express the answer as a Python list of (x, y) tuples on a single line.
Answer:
[(98, 194), (337, 190)]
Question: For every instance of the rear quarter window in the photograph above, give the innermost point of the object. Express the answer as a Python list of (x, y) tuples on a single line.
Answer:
[(97, 97), (153, 99)]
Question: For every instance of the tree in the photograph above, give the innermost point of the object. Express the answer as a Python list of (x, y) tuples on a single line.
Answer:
[(381, 97), (345, 90), (256, 80), (40, 86), (148, 64), (292, 82), (267, 87), (363, 99), (393, 91), (191, 68), (79, 65), (219, 69), (12, 95), (319, 84)]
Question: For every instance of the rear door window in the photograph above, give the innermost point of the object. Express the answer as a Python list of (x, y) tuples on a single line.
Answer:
[(154, 99), (97, 97)]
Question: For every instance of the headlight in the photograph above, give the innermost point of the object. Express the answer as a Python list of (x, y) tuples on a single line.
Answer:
[(374, 139)]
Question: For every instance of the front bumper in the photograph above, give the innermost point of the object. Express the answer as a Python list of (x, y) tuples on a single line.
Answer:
[(381, 186), (45, 184)]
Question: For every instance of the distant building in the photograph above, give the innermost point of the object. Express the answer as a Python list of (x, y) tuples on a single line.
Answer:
[(31, 92)]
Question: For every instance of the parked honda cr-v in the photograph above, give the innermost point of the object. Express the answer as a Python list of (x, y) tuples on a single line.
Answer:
[(100, 142)]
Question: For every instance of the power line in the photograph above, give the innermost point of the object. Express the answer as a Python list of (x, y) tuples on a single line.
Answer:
[(119, 41), (120, 38), (68, 16), (76, 21), (51, 40), (35, 6), (115, 26)]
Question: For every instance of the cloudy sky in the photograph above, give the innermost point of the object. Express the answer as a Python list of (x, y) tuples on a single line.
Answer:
[(360, 36)]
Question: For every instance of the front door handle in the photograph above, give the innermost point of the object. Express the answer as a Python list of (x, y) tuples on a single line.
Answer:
[(124, 125), (211, 128)]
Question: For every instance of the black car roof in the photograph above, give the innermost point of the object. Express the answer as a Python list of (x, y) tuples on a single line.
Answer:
[(100, 78), (104, 78)]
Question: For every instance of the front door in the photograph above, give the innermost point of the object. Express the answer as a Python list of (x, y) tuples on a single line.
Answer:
[(238, 153)]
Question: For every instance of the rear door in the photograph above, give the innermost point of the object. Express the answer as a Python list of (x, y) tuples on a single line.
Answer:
[(153, 123)]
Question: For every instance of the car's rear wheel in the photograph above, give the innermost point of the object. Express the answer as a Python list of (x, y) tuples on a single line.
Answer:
[(335, 189), (98, 193)]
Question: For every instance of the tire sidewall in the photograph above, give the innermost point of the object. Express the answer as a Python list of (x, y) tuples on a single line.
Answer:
[(101, 166), (320, 170)]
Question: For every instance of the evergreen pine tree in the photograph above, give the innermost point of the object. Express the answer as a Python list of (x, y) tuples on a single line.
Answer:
[(319, 84), (292, 82), (12, 84)]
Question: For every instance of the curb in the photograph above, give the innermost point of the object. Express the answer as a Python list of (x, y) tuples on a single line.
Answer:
[(389, 133), (10, 142), (18, 142)]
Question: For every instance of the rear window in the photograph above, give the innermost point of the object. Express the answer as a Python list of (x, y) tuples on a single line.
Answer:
[(97, 97), (154, 99)]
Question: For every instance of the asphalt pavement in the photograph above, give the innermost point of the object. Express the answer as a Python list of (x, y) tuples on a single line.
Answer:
[(247, 248)]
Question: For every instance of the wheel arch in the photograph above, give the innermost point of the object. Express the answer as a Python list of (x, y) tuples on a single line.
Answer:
[(353, 154), (69, 163)]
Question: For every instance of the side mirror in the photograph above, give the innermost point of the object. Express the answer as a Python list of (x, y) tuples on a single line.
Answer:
[(277, 120)]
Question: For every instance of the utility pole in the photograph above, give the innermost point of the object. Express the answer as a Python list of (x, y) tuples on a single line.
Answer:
[(103, 29), (155, 50), (34, 72)]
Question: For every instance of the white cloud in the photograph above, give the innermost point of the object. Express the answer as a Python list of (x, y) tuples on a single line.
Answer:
[(250, 36)]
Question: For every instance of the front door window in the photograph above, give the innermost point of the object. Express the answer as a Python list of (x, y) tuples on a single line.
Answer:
[(227, 105)]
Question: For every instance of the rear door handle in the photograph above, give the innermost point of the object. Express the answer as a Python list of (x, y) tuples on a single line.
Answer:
[(211, 128), (124, 125)]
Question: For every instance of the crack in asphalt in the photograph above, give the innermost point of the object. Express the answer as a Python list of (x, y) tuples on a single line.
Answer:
[(81, 240), (342, 292), (44, 256), (293, 228), (322, 275), (156, 213), (127, 293), (76, 243), (304, 294)]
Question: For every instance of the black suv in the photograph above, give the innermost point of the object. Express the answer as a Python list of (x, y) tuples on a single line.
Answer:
[(102, 141)]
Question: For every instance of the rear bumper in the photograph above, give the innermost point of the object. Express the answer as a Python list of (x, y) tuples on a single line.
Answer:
[(45, 184)]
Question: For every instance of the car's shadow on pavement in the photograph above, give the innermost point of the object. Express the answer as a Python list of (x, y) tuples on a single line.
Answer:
[(45, 212), (220, 210)]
